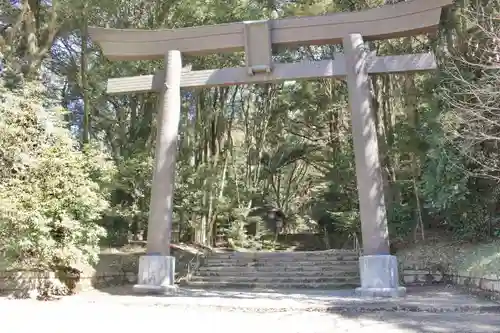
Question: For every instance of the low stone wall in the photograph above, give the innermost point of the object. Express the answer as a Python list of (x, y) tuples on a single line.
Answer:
[(113, 269), (421, 274), (417, 274), (24, 281)]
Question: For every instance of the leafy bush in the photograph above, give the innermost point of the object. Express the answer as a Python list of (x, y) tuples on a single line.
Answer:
[(49, 201)]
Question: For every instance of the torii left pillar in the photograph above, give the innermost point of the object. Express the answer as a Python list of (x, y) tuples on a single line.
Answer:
[(378, 269), (157, 267)]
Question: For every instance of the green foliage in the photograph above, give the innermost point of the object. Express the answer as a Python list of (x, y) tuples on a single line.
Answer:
[(49, 203), (244, 149), (130, 188), (401, 219), (289, 146), (459, 180)]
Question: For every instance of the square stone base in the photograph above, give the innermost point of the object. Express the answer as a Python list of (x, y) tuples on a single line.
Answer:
[(155, 290), (379, 277), (156, 275), (380, 292)]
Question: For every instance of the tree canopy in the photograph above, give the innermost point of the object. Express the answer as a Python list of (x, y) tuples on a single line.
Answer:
[(76, 161)]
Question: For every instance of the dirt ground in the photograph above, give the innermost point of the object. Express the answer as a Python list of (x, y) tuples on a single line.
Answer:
[(423, 310)]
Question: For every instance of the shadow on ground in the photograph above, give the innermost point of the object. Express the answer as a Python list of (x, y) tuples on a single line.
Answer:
[(425, 298), (444, 322), (430, 309), (427, 309)]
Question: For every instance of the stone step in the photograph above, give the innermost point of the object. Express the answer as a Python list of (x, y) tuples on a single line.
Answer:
[(284, 259), (297, 254), (278, 269), (288, 257), (274, 285), (278, 274), (239, 263), (275, 279)]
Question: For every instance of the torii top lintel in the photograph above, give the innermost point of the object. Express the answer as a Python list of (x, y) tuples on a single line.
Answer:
[(408, 18)]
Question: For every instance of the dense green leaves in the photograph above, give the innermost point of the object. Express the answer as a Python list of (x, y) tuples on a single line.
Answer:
[(251, 158), (49, 201)]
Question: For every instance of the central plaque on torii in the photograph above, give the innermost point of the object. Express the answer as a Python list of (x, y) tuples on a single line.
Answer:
[(379, 270)]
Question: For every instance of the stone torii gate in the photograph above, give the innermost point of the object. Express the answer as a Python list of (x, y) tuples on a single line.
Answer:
[(378, 269)]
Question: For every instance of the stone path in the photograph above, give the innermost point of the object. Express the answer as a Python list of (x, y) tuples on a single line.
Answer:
[(447, 310)]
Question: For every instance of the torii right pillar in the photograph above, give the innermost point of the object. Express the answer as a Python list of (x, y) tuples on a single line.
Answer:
[(378, 269)]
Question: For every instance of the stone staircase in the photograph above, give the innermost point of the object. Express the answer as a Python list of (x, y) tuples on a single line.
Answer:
[(333, 269)]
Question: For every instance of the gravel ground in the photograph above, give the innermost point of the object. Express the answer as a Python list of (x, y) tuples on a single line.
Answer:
[(102, 312)]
